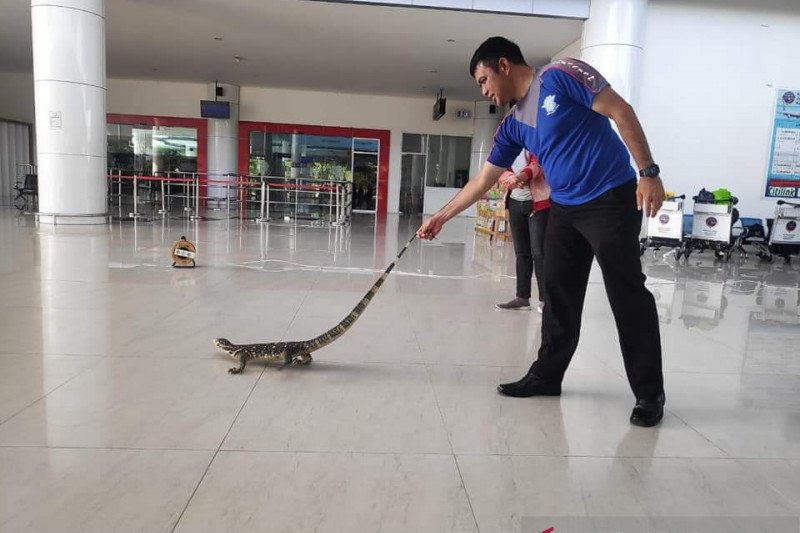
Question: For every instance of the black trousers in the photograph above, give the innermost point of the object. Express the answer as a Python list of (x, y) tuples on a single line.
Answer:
[(606, 228), (527, 231)]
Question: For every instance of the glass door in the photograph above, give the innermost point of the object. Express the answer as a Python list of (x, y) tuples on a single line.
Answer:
[(365, 174), (412, 173)]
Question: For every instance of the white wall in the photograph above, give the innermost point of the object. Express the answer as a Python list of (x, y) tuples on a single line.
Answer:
[(707, 91), (571, 50), (708, 84), (16, 96), (157, 98), (180, 99), (396, 114)]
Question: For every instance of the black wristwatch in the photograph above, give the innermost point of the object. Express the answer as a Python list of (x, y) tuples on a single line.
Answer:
[(650, 171)]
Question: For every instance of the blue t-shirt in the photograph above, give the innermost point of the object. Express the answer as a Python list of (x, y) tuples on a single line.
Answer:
[(582, 156)]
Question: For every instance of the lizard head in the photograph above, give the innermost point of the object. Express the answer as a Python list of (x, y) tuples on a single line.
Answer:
[(225, 345)]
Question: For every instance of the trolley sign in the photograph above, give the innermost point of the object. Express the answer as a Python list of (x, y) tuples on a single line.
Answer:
[(712, 222), (785, 229), (783, 171), (668, 222)]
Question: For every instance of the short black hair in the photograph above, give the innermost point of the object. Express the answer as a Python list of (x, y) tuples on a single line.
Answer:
[(490, 52)]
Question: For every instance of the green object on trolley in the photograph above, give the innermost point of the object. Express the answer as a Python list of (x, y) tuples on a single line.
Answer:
[(722, 196)]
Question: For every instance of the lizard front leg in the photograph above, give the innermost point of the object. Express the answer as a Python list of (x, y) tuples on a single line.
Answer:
[(242, 362)]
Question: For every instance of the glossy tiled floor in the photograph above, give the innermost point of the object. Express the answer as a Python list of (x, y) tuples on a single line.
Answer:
[(117, 414)]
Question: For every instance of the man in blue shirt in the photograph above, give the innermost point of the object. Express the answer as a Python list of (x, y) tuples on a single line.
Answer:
[(561, 114)]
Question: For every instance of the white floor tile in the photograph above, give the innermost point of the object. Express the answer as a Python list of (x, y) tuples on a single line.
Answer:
[(66, 490), (286, 492), (113, 401)]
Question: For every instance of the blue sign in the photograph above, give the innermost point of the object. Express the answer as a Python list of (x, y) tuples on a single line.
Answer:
[(783, 172)]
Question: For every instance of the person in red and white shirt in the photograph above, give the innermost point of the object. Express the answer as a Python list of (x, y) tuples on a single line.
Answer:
[(528, 204)]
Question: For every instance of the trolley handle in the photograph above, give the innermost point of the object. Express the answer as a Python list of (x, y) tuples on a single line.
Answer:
[(784, 202)]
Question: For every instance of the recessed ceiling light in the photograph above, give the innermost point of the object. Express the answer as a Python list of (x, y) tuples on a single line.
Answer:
[(451, 40), (238, 59), (217, 38)]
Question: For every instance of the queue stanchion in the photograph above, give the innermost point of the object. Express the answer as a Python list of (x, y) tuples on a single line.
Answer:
[(196, 183), (135, 213), (187, 199), (263, 200), (330, 202), (228, 195), (163, 210)]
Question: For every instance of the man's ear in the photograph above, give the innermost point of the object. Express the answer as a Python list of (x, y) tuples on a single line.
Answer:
[(503, 66)]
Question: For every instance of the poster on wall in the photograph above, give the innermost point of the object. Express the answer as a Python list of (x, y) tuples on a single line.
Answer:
[(783, 172)]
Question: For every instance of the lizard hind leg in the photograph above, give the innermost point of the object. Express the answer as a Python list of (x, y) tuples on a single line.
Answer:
[(303, 358)]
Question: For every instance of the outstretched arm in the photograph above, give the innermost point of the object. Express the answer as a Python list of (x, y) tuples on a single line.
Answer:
[(650, 193)]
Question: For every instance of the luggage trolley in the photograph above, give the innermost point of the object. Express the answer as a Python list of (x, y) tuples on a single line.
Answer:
[(712, 224), (666, 228), (784, 235)]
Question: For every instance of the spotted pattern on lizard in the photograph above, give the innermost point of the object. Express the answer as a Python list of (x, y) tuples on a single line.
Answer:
[(299, 352)]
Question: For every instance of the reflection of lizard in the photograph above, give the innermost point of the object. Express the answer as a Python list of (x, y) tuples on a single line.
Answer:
[(299, 352)]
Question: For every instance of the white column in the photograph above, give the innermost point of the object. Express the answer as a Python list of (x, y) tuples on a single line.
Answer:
[(487, 118), (69, 79), (613, 43), (223, 140), (296, 156)]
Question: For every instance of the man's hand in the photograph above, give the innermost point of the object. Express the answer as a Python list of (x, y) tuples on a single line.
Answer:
[(508, 181), (431, 227), (521, 180), (649, 196), (511, 181)]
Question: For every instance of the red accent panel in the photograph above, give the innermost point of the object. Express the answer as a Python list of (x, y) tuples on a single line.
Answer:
[(383, 136), (783, 183)]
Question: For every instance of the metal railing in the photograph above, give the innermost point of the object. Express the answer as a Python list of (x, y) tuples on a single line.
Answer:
[(261, 198)]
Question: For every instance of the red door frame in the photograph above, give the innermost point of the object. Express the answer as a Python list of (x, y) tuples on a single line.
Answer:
[(383, 136), (200, 124)]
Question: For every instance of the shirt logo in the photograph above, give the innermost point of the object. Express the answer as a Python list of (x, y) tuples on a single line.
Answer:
[(550, 104)]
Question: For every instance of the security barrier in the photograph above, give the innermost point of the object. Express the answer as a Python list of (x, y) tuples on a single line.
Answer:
[(261, 198)]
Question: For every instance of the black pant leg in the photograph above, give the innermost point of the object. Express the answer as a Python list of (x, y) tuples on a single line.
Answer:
[(538, 226), (567, 261), (519, 220), (611, 224)]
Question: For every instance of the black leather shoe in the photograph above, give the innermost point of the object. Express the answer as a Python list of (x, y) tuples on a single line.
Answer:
[(648, 413), (530, 385)]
